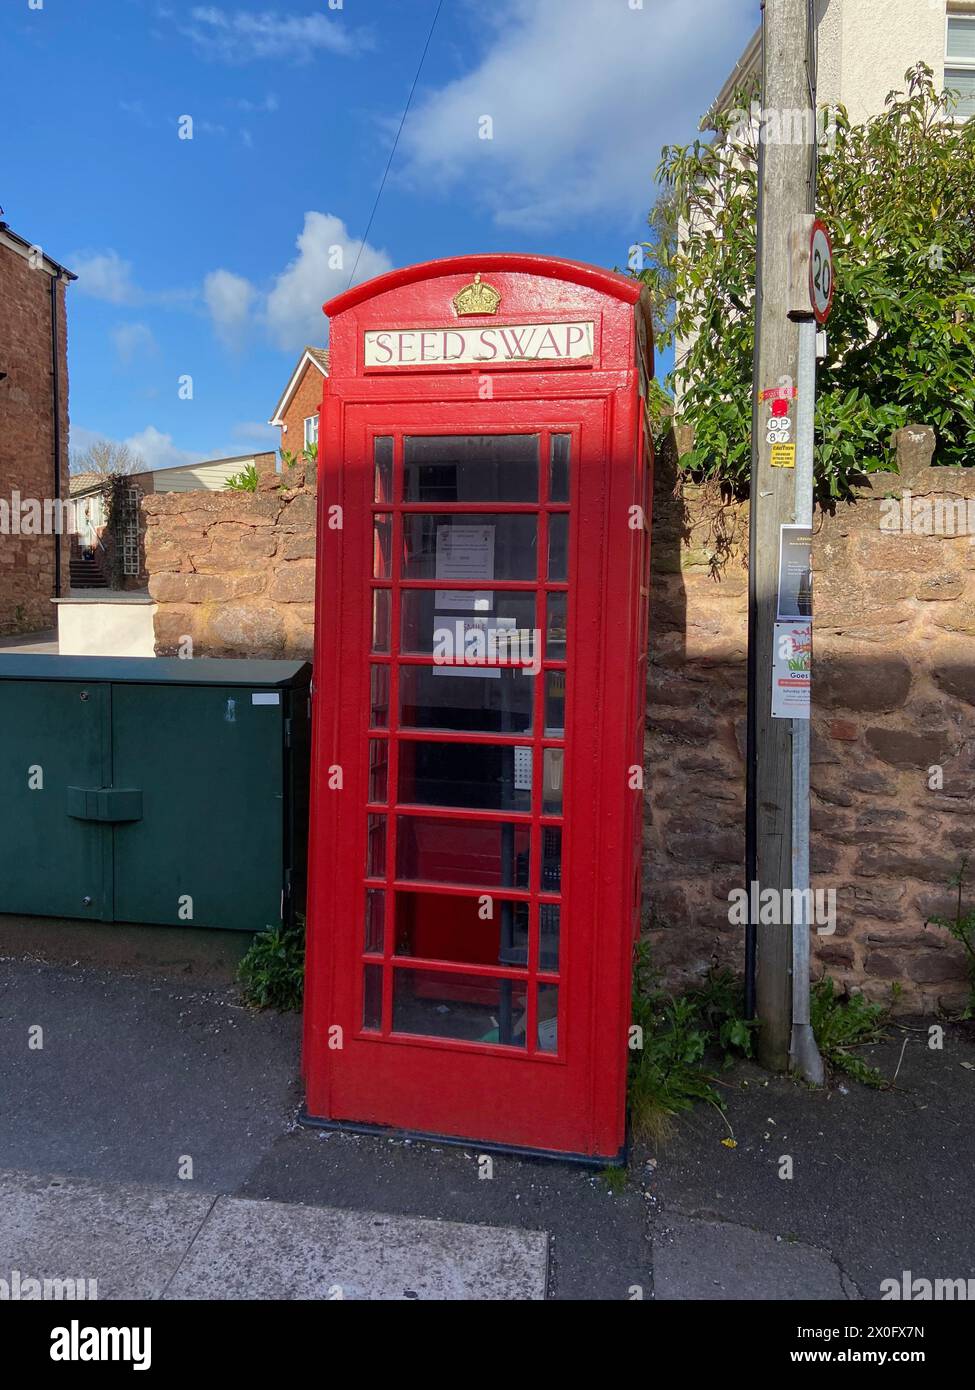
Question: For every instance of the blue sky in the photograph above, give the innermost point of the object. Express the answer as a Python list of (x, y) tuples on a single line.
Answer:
[(211, 256)]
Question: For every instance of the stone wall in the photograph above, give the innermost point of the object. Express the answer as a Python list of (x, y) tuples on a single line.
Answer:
[(233, 571), (893, 732), (893, 698), (27, 562)]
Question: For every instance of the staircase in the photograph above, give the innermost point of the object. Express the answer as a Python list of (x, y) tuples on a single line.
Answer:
[(85, 570)]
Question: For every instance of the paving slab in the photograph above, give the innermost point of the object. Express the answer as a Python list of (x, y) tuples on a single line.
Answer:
[(276, 1250), (715, 1260), (128, 1238), (879, 1179)]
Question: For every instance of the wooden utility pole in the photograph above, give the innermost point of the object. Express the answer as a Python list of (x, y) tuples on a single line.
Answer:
[(786, 176)]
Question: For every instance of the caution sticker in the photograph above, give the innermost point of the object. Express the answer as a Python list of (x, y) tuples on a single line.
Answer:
[(783, 456)]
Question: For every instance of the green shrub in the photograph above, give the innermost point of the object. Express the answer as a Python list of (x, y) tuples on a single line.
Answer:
[(896, 192), (668, 1074), (272, 973)]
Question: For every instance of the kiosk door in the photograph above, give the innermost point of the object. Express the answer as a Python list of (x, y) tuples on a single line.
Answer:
[(463, 607)]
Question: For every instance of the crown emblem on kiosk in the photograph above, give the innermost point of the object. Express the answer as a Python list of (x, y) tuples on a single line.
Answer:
[(477, 298)]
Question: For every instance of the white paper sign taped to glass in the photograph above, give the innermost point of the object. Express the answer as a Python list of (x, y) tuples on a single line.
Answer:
[(795, 574), (791, 670)]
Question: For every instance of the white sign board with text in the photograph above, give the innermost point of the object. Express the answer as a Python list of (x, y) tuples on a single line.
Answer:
[(494, 346)]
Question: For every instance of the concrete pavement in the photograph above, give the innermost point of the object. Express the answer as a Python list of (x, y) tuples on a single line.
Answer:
[(125, 1240), (153, 1064)]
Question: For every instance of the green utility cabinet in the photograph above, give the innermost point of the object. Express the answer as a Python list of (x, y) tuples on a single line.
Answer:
[(146, 789)]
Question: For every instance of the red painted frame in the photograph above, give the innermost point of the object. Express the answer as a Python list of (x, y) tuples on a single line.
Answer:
[(571, 1102)]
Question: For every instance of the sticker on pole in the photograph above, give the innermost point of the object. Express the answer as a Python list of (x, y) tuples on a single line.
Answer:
[(821, 280), (778, 425)]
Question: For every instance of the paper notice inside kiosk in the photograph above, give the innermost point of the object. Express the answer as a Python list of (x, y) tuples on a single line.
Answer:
[(465, 552)]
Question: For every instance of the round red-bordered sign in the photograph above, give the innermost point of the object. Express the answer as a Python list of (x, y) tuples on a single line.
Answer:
[(821, 276)]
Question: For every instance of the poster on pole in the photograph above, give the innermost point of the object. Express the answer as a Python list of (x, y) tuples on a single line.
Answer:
[(791, 670), (795, 574)]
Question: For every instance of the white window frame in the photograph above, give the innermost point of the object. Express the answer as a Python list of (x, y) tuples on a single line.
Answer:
[(311, 434), (955, 64)]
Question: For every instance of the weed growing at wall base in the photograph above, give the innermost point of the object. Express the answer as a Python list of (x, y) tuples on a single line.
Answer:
[(272, 973)]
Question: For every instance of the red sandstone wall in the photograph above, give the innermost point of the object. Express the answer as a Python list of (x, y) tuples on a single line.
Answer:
[(893, 696), (27, 438)]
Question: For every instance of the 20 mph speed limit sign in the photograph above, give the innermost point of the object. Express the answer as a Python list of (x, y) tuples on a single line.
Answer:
[(821, 272)]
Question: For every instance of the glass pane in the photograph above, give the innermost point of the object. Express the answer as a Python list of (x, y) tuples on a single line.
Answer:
[(383, 460), (445, 697), (469, 1007), (551, 858), (558, 546), (554, 704), (548, 1018), (379, 697), (435, 926), (502, 610), (557, 620), (487, 854), (372, 996), (961, 38), (548, 938), (468, 547), (375, 914), (376, 847), (962, 81), (378, 763), (552, 782), (382, 547), (380, 620), (471, 468), (465, 774), (558, 478)]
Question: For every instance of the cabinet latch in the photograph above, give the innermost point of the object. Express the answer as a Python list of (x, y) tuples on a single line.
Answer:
[(105, 803)]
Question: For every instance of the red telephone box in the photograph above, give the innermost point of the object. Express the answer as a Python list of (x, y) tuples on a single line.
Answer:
[(480, 668)]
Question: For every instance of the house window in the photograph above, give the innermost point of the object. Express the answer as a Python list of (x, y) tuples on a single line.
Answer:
[(311, 430), (960, 62)]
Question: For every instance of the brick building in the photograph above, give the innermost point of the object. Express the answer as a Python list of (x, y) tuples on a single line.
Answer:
[(296, 413), (33, 434)]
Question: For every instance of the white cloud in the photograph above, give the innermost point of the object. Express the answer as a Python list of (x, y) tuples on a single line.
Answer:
[(157, 450), (104, 275), (241, 36), (255, 432), (131, 340), (154, 449), (266, 105), (582, 95), (326, 255), (229, 299)]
